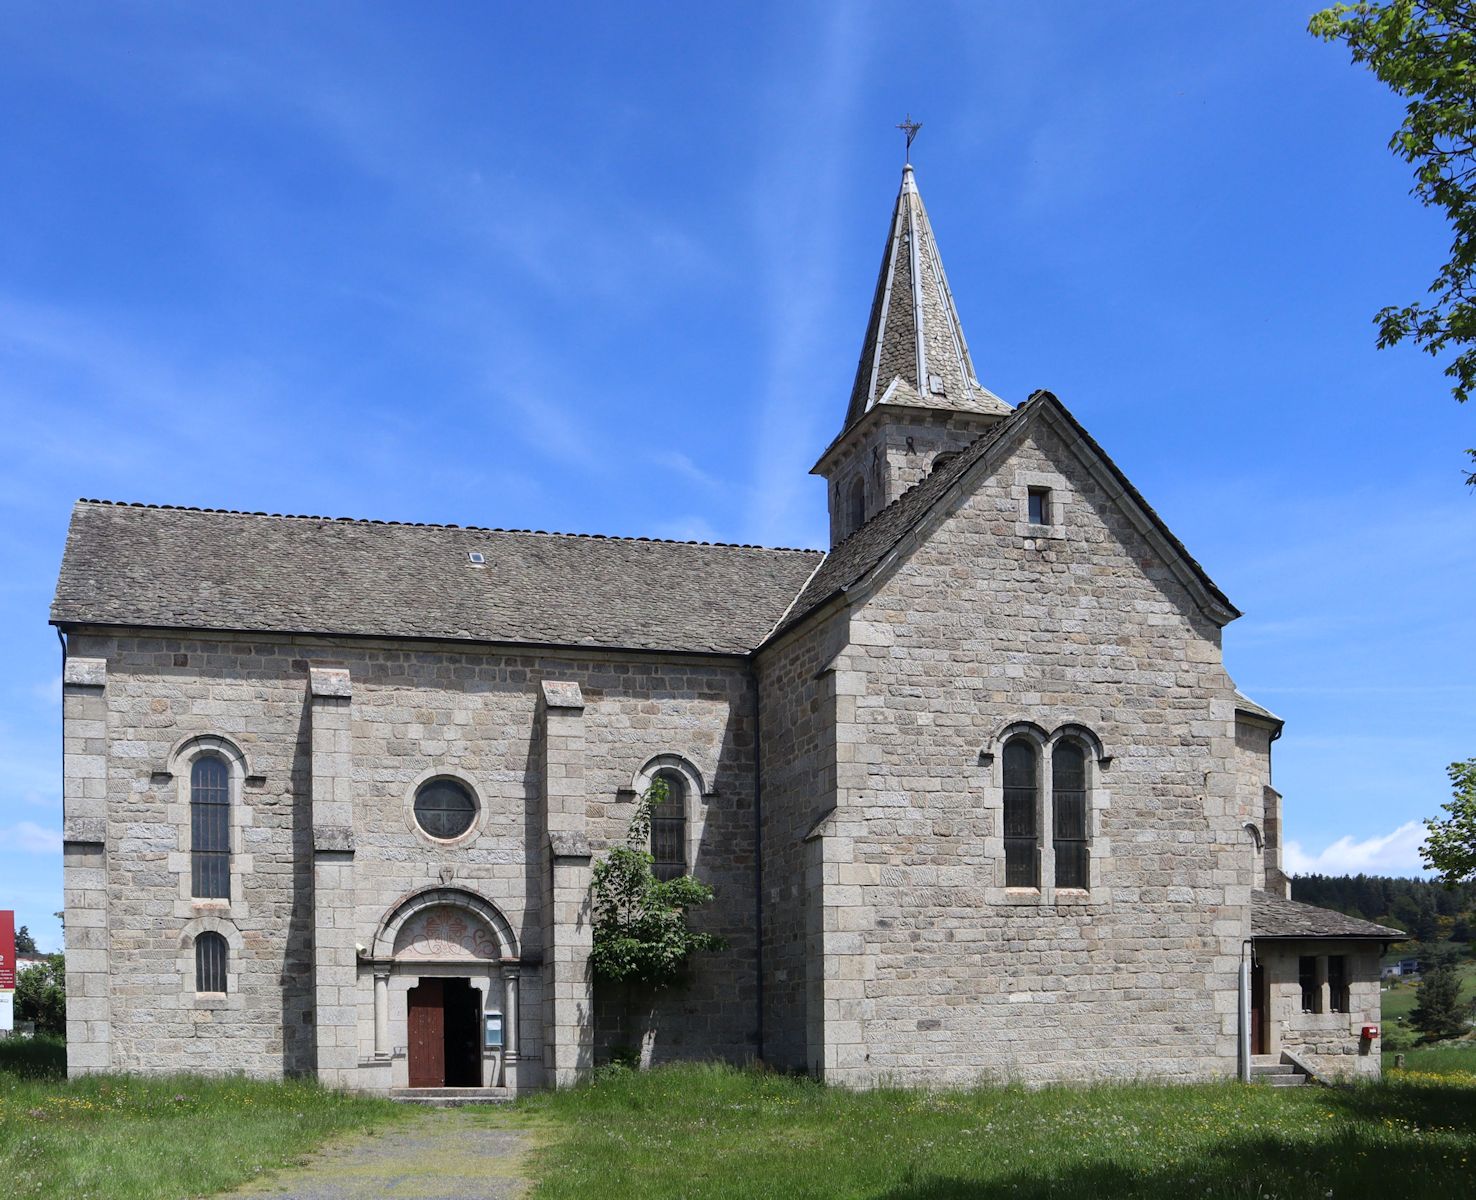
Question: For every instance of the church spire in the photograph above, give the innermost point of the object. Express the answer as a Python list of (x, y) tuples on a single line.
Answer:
[(914, 352), (916, 399)]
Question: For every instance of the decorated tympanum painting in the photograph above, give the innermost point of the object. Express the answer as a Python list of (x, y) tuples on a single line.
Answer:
[(446, 933)]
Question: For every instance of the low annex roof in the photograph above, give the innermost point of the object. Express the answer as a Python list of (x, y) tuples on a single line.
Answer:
[(1274, 916), (174, 567)]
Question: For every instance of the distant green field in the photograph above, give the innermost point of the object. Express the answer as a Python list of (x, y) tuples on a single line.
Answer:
[(1399, 1000)]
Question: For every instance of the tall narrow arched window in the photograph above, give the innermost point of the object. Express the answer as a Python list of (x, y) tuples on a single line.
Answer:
[(669, 828), (1069, 809), (856, 505), (1021, 813), (210, 828), (210, 962)]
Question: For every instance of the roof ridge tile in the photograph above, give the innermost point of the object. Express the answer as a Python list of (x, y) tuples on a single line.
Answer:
[(553, 533)]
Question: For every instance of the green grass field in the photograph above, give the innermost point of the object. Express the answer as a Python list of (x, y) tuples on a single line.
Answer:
[(1445, 1058), (717, 1132), (127, 1138)]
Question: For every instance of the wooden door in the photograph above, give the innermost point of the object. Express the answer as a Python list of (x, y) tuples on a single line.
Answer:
[(427, 1013), (1258, 1009)]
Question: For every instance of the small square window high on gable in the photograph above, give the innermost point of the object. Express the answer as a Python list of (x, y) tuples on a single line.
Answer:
[(1039, 506)]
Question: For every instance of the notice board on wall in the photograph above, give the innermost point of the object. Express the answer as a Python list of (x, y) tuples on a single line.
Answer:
[(7, 950)]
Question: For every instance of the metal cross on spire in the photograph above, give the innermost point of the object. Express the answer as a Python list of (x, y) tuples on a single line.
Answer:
[(910, 128)]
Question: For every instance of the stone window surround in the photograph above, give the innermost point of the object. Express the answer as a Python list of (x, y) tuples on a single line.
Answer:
[(456, 775), (1098, 800), (1060, 501), (178, 765), (231, 998), (696, 797)]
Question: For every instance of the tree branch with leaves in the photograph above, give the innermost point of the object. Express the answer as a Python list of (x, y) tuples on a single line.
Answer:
[(1450, 847), (1425, 50), (641, 931)]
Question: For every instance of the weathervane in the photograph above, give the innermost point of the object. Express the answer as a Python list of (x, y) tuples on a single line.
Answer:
[(910, 128)]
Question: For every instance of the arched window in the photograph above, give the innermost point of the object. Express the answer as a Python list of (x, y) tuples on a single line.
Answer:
[(669, 828), (856, 510), (210, 962), (210, 828), (1069, 809), (1021, 813)]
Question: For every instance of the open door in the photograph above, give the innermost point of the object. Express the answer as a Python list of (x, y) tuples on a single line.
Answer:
[(427, 1012), (445, 1018)]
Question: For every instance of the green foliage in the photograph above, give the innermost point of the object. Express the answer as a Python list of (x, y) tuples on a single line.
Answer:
[(1425, 50), (700, 1131), (641, 933), (1451, 845), (1439, 1010), (24, 942), (41, 995)]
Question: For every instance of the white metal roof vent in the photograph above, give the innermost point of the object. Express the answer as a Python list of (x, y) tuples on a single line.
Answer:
[(476, 558)]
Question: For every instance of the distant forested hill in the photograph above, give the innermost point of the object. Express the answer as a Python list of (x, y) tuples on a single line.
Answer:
[(1429, 912)]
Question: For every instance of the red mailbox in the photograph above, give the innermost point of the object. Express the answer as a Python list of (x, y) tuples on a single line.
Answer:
[(1370, 1032)]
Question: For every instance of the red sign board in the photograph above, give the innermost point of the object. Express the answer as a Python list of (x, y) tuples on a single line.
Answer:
[(7, 950)]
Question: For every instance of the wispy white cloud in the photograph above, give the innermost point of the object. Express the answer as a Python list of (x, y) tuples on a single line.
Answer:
[(1396, 853), (30, 838), (801, 186)]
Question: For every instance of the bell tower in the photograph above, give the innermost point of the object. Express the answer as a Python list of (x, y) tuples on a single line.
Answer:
[(916, 397)]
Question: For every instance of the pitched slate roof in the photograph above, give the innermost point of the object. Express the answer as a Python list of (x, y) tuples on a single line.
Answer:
[(1274, 916), (130, 564), (850, 562), (914, 339)]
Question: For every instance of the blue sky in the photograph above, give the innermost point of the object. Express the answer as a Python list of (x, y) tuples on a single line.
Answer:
[(606, 268)]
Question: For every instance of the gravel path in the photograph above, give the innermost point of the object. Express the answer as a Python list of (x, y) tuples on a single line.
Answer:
[(450, 1154)]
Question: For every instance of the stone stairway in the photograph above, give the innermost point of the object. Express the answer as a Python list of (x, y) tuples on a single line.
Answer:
[(1277, 1072), (451, 1097)]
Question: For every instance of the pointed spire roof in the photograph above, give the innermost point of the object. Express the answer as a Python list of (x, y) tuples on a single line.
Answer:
[(915, 352)]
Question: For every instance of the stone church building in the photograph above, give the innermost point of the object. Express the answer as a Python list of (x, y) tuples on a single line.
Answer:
[(973, 788)]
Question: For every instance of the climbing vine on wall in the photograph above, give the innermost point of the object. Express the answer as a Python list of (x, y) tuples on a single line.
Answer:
[(641, 933)]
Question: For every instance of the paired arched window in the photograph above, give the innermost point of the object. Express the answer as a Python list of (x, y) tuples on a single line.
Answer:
[(1069, 813), (1024, 816), (1021, 813), (669, 827), (210, 828), (211, 951)]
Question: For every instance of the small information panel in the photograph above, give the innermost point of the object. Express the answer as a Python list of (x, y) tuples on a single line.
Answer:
[(7, 950), (493, 1037), (7, 1012)]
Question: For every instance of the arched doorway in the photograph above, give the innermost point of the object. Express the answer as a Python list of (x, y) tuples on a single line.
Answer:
[(446, 990)]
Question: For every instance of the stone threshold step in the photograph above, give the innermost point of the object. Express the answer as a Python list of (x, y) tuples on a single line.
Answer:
[(450, 1097)]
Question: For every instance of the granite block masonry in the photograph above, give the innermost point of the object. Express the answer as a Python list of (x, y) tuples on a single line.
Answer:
[(974, 791)]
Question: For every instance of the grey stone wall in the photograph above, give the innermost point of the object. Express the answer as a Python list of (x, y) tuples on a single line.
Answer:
[(798, 763), (1259, 803), (983, 624), (893, 449), (1330, 1042), (414, 712)]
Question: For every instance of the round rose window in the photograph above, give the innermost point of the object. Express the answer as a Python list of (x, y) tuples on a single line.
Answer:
[(445, 808)]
